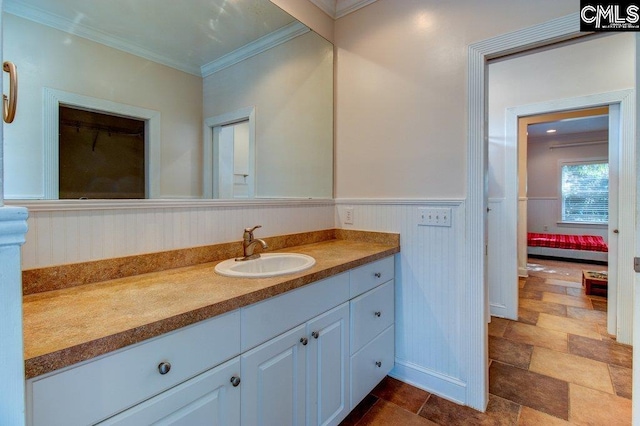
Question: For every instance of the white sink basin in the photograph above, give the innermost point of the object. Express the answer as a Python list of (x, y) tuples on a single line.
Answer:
[(267, 265)]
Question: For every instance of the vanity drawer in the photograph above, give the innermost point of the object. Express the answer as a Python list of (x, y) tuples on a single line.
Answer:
[(371, 313), (269, 318), (371, 364), (366, 277), (95, 390)]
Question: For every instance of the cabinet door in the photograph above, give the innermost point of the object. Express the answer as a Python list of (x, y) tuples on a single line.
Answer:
[(208, 399), (328, 367), (273, 381)]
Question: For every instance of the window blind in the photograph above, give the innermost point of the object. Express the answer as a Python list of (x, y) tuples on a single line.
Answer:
[(585, 192)]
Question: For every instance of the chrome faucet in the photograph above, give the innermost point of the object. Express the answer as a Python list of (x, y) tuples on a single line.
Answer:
[(249, 244)]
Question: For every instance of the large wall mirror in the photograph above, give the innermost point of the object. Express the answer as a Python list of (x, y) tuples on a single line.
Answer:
[(229, 100)]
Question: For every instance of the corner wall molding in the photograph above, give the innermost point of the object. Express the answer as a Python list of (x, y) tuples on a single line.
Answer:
[(263, 44), (66, 205), (32, 13), (339, 8), (400, 201)]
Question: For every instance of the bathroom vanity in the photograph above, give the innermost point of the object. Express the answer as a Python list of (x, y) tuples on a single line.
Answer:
[(300, 349)]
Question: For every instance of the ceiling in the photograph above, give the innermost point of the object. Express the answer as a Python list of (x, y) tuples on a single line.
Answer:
[(339, 8), (165, 31), (574, 126)]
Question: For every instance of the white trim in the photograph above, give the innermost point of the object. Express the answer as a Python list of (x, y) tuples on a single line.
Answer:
[(339, 8), (429, 380), (43, 17), (13, 227), (400, 202), (345, 7), (572, 144), (210, 148), (79, 205), (621, 288), (475, 310), (51, 123), (256, 47)]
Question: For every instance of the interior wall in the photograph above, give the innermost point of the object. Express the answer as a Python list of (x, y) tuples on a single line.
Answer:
[(47, 57), (310, 15), (560, 73), (544, 200), (294, 76), (401, 140)]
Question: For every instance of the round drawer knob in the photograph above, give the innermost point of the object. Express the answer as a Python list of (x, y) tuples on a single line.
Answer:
[(377, 275), (164, 367), (378, 314), (315, 334), (378, 364), (235, 381), (304, 341)]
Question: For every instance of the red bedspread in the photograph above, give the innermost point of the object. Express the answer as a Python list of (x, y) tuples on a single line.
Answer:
[(574, 242)]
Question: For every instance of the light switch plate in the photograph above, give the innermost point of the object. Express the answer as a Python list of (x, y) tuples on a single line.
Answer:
[(434, 216)]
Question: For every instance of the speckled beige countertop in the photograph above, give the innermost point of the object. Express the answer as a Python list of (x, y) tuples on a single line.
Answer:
[(68, 325)]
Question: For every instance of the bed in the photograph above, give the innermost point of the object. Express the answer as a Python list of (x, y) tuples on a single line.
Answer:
[(580, 247)]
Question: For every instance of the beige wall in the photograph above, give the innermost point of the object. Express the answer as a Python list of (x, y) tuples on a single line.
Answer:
[(401, 84), (50, 58), (599, 65), (291, 88), (310, 15)]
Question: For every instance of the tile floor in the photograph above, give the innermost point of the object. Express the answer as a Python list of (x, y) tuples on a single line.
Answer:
[(556, 365)]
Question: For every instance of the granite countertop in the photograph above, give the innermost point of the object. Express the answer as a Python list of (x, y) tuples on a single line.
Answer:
[(70, 325)]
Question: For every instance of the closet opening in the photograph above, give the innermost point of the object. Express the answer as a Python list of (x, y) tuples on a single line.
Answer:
[(101, 156)]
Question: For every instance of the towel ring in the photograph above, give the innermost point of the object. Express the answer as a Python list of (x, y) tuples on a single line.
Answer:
[(9, 102)]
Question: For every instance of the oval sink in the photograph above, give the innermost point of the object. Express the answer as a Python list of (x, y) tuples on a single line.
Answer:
[(267, 265)]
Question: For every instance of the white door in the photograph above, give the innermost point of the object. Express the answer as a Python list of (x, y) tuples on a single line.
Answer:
[(211, 398), (328, 367), (273, 381), (234, 175)]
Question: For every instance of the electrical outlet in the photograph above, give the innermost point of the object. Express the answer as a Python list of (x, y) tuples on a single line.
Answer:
[(434, 217), (348, 216)]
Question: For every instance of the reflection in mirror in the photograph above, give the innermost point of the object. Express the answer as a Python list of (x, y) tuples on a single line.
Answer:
[(187, 70)]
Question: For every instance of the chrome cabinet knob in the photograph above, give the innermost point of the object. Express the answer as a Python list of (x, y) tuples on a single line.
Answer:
[(377, 275), (304, 341), (315, 334), (235, 381), (378, 364), (378, 314), (164, 367)]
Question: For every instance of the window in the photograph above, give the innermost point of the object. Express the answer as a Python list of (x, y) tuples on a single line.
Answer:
[(585, 192)]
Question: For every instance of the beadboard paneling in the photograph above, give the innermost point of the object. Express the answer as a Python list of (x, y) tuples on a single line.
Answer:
[(430, 291), (70, 236)]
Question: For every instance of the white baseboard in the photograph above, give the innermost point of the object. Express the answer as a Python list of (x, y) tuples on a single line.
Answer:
[(446, 387)]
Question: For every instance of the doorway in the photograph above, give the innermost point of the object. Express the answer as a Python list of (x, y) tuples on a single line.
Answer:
[(550, 146), (479, 140)]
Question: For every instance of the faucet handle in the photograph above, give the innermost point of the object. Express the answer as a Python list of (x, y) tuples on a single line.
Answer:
[(250, 230)]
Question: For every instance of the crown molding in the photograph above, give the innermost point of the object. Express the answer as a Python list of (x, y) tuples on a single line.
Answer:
[(267, 42), (31, 13), (339, 8)]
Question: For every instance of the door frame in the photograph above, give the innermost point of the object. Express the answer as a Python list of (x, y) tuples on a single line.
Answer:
[(476, 301), (619, 322), (209, 148)]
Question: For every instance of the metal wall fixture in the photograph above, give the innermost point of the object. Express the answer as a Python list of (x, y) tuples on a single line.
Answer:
[(10, 102)]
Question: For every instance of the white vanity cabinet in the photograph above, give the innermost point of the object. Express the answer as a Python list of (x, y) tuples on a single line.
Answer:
[(93, 391), (372, 326), (304, 357), (212, 398), (301, 375)]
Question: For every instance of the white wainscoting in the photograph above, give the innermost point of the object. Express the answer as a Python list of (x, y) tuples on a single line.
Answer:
[(431, 320), (68, 236), (545, 211), (502, 269)]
